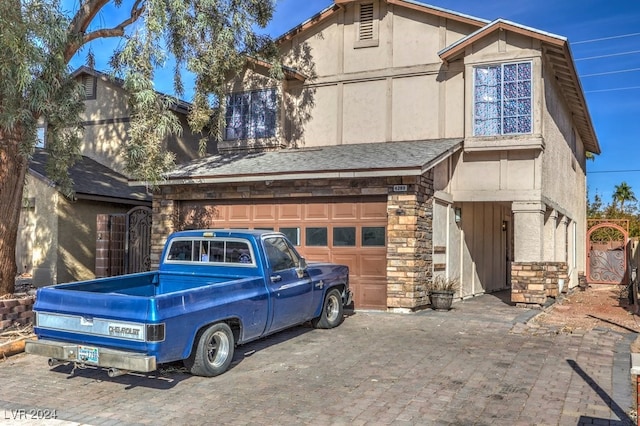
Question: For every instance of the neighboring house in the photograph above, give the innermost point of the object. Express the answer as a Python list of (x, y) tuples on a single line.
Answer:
[(57, 236), (405, 141)]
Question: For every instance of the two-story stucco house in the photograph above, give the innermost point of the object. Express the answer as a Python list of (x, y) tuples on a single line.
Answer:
[(58, 237), (405, 141)]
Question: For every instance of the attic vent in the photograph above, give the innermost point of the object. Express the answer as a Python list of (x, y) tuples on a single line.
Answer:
[(366, 21), (366, 17), (89, 85)]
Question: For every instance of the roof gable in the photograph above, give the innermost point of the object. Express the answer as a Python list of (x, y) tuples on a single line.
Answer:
[(328, 12), (558, 52)]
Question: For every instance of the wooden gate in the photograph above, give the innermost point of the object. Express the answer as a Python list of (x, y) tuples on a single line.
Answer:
[(124, 243), (607, 244)]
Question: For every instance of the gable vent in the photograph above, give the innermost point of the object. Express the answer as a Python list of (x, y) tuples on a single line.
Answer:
[(89, 85), (366, 21)]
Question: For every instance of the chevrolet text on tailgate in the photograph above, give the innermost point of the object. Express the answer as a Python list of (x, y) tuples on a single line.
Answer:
[(214, 289)]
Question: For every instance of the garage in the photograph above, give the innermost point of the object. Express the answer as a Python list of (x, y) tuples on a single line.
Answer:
[(347, 231)]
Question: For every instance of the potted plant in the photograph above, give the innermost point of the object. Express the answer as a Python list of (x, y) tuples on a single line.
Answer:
[(441, 290)]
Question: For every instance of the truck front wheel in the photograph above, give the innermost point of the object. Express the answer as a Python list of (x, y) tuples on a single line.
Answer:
[(214, 352), (331, 315)]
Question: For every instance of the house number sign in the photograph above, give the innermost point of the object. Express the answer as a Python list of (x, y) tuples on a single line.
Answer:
[(399, 188)]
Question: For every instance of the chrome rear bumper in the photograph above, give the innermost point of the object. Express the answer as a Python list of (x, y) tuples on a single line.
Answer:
[(110, 358)]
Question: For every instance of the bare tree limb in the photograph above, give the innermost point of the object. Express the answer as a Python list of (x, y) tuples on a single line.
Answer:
[(85, 15)]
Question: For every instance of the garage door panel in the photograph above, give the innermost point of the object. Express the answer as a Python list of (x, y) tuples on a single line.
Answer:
[(316, 211), (373, 265), (368, 295), (351, 260), (344, 211), (239, 213), (373, 211), (290, 212), (264, 212)]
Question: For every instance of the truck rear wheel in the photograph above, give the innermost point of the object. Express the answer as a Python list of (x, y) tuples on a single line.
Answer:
[(331, 315), (214, 352)]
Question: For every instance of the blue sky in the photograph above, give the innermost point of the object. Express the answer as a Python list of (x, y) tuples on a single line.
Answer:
[(605, 42)]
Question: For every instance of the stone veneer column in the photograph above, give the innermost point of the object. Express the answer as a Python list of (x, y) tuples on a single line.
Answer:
[(527, 276), (409, 244), (163, 224)]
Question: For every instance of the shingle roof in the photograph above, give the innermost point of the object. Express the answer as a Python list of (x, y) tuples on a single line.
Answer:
[(93, 179), (389, 158)]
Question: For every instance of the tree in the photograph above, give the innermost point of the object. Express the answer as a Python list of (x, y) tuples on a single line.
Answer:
[(210, 38), (623, 193)]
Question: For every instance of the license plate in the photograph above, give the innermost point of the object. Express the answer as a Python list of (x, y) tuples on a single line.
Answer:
[(88, 354)]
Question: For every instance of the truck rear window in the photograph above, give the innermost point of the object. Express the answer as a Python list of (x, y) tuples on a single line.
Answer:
[(211, 251)]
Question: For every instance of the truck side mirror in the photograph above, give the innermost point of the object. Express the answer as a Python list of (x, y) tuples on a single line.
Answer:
[(302, 267)]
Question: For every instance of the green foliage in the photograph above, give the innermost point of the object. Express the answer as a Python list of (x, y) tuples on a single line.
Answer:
[(617, 209), (209, 38), (36, 85)]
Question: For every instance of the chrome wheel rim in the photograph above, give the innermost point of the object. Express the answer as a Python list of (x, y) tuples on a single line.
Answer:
[(332, 310), (218, 349)]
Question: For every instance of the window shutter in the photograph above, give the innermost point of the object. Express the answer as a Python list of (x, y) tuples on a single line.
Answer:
[(366, 21)]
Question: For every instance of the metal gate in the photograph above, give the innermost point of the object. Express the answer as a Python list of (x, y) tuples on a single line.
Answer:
[(126, 239), (607, 244)]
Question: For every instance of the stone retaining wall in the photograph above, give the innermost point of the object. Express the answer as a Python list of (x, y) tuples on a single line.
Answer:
[(16, 312)]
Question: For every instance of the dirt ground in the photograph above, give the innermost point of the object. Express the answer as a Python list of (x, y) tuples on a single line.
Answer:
[(599, 306)]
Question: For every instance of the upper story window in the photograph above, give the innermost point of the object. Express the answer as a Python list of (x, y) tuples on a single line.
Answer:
[(251, 115), (502, 99)]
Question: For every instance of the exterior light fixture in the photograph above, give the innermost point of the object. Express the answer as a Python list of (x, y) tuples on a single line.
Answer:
[(457, 214)]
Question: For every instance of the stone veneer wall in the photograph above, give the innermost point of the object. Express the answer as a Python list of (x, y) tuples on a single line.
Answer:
[(16, 312), (409, 226), (533, 282), (409, 244)]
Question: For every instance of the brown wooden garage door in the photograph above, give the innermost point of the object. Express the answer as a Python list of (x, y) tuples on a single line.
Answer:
[(351, 232)]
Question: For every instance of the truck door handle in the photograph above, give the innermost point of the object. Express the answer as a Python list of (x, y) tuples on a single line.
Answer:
[(276, 278)]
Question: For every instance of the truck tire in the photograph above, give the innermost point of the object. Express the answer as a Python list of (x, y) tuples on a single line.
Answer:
[(331, 315), (213, 353)]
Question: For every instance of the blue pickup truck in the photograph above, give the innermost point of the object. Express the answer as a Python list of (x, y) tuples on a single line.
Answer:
[(214, 289)]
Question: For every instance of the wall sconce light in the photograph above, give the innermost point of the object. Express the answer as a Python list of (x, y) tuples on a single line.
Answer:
[(504, 225), (457, 214)]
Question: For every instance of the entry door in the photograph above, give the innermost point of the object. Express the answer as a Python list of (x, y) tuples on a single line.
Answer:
[(292, 296)]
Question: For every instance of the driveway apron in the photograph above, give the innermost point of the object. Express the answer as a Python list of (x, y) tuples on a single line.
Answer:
[(478, 364)]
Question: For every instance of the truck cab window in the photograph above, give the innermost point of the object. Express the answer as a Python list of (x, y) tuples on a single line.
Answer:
[(279, 253)]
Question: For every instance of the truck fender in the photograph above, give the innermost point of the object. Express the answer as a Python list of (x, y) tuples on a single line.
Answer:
[(234, 323)]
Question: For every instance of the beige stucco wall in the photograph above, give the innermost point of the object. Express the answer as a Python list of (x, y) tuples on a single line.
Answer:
[(77, 237), (36, 250), (563, 175), (106, 127), (395, 90)]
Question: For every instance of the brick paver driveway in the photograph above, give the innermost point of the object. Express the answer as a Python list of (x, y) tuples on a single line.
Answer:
[(477, 364)]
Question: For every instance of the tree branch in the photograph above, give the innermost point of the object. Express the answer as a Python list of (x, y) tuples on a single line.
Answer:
[(83, 19)]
